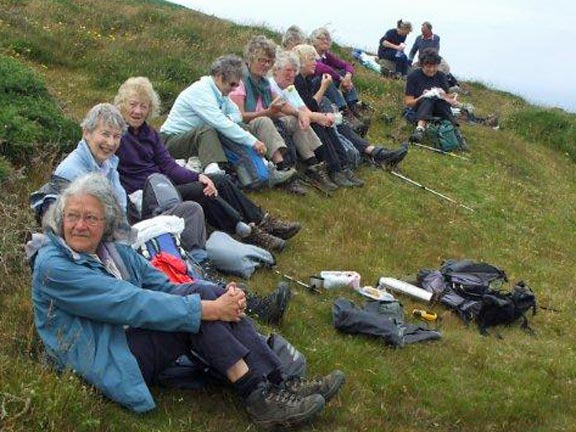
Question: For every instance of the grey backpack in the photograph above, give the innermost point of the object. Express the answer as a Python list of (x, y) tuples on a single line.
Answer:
[(158, 195)]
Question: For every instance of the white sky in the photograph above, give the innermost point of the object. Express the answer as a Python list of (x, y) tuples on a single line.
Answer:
[(521, 46)]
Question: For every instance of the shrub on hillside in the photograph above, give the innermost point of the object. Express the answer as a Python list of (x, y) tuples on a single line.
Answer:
[(31, 123), (552, 127)]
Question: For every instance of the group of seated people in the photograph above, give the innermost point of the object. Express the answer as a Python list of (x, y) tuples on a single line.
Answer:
[(431, 90), (104, 312)]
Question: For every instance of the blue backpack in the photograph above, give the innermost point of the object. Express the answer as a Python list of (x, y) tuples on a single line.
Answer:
[(251, 168)]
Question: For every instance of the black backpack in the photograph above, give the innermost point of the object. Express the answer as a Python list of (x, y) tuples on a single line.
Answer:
[(506, 307), (474, 291)]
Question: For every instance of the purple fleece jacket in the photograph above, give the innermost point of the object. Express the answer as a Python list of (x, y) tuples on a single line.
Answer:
[(331, 64), (142, 154)]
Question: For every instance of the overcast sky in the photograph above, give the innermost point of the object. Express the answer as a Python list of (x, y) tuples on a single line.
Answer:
[(521, 46)]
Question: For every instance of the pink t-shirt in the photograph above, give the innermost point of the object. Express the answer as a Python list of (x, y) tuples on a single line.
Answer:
[(241, 92)]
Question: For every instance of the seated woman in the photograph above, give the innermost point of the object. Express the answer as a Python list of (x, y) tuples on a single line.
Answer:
[(341, 72), (391, 46), (427, 93), (284, 72), (103, 312), (259, 103), (312, 93)]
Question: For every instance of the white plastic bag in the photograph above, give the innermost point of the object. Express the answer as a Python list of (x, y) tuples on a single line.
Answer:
[(339, 279)]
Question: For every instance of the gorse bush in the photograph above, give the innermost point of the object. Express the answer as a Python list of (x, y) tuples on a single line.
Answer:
[(31, 122)]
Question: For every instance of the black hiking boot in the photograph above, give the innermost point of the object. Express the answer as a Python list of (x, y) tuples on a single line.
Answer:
[(389, 158), (271, 407), (278, 227), (418, 135), (326, 386), (261, 238), (269, 309)]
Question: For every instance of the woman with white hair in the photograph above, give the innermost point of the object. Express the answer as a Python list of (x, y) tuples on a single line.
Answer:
[(103, 312)]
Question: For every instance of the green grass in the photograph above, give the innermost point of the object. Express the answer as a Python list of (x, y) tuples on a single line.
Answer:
[(520, 181)]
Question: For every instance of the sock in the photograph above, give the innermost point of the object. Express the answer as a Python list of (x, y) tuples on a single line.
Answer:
[(243, 229), (247, 384), (275, 377), (311, 161)]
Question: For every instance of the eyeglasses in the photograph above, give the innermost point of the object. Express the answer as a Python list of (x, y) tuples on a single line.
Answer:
[(89, 219), (264, 60)]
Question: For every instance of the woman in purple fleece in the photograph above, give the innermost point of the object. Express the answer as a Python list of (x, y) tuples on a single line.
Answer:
[(141, 154)]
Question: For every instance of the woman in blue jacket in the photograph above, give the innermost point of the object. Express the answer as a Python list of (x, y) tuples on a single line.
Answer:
[(102, 311)]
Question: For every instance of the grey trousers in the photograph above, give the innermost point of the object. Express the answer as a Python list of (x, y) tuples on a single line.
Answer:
[(202, 142), (194, 234)]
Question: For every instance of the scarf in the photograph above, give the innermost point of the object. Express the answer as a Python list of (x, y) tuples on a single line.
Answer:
[(254, 90)]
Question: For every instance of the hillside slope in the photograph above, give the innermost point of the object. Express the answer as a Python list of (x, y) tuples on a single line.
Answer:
[(520, 181)]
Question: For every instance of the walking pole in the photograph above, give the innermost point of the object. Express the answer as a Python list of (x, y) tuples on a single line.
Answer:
[(296, 281), (414, 183), (440, 151)]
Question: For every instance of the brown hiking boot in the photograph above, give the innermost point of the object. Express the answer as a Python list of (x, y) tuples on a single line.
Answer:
[(261, 238), (318, 174), (278, 227), (326, 386)]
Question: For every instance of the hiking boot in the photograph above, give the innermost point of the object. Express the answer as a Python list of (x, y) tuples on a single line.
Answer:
[(318, 174), (354, 122), (339, 178), (295, 187), (326, 386), (278, 227), (271, 407), (491, 120), (417, 135), (277, 177), (389, 158), (461, 140), (269, 309), (353, 178), (261, 238)]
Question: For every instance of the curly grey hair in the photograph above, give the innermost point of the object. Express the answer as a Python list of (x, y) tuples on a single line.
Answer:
[(104, 113), (259, 45), (142, 88), (293, 36), (90, 184), (229, 67)]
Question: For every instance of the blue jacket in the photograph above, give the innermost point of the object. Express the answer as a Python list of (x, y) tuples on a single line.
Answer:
[(80, 161), (80, 311)]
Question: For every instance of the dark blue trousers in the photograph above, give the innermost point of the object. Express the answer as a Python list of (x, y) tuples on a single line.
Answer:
[(219, 344)]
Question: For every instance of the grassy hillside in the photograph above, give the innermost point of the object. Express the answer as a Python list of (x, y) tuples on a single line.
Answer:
[(520, 180)]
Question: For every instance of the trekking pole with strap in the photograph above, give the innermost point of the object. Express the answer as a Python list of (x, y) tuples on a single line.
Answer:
[(437, 150), (421, 186)]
